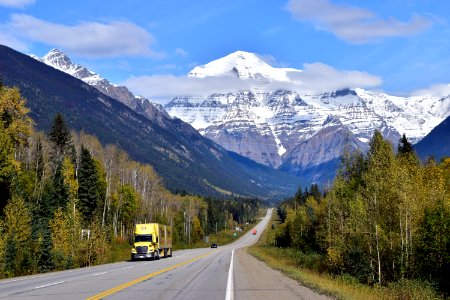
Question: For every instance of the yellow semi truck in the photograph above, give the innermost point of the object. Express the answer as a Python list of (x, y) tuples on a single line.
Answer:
[(152, 240)]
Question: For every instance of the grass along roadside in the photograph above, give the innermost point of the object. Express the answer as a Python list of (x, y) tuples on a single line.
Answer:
[(340, 287)]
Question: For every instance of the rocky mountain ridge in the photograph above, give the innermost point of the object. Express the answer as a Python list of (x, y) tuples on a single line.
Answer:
[(268, 125)]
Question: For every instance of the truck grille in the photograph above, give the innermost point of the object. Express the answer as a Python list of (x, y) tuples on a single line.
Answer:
[(141, 249)]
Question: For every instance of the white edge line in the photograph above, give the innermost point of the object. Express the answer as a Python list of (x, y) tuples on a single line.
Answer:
[(100, 273), (47, 285), (229, 294)]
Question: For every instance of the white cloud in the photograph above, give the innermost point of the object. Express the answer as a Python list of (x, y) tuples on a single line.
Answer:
[(316, 77), (11, 41), (181, 52), (437, 90), (354, 24), (16, 3), (89, 39)]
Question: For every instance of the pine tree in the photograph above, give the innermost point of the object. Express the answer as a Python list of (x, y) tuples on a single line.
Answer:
[(60, 136), (7, 167), (60, 189), (299, 197), (88, 190), (404, 146)]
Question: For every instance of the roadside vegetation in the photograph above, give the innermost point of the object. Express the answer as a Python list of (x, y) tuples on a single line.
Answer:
[(382, 231), (68, 201)]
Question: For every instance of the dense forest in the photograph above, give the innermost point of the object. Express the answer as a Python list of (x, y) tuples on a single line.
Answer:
[(385, 219), (65, 199)]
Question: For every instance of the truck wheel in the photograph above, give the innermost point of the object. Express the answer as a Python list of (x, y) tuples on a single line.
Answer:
[(157, 255), (165, 253), (170, 252)]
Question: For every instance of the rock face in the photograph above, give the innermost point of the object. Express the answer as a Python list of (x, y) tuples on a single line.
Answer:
[(289, 129)]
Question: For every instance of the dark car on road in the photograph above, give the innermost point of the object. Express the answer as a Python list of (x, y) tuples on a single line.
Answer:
[(213, 245)]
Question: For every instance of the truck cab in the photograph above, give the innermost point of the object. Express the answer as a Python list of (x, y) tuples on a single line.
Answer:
[(151, 240)]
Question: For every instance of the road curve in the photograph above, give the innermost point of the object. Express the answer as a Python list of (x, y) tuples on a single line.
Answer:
[(190, 274)]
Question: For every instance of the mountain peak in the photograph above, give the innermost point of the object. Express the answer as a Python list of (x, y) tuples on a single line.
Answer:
[(57, 55), (242, 64)]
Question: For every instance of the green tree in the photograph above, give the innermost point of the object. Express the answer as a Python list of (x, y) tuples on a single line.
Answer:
[(60, 189), (129, 200), (17, 234), (7, 167), (404, 146), (60, 137), (433, 251), (89, 192)]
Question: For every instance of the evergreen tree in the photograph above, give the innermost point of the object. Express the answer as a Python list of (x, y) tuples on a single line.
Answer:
[(88, 189), (299, 197), (404, 146), (7, 167), (60, 136), (45, 258), (60, 189), (315, 192)]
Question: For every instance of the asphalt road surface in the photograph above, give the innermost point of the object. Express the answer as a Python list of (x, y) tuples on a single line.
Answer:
[(222, 273)]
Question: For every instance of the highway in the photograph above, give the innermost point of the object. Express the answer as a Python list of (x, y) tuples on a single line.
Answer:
[(190, 274)]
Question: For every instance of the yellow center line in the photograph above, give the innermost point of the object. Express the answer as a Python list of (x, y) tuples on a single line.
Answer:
[(145, 277)]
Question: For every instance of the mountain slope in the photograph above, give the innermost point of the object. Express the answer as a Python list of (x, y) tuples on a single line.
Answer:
[(318, 157), (184, 159), (60, 61), (436, 143)]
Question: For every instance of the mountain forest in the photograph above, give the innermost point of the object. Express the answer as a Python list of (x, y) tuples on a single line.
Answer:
[(67, 201), (386, 219)]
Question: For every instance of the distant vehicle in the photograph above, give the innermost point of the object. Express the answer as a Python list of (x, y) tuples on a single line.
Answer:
[(213, 245), (254, 231), (152, 240)]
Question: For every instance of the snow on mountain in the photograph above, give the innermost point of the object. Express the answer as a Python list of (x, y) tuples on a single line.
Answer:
[(60, 61), (269, 125), (244, 65)]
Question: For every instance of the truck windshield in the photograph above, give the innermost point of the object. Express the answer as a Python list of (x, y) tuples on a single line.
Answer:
[(143, 238)]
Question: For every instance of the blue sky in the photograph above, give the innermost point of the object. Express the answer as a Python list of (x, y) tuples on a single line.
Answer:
[(404, 43)]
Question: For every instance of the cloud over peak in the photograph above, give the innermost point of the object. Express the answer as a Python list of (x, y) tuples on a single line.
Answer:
[(354, 24), (315, 78)]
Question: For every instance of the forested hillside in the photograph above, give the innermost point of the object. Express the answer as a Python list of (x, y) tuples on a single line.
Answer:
[(386, 219), (67, 201)]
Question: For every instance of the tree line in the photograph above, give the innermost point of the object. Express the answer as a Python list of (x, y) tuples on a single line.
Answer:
[(65, 199), (386, 218)]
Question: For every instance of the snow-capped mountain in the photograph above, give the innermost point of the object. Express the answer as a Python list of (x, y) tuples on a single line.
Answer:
[(244, 65), (60, 61), (269, 126)]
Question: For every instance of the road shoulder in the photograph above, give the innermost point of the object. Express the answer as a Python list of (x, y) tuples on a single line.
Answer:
[(253, 279)]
